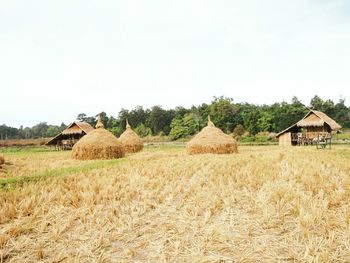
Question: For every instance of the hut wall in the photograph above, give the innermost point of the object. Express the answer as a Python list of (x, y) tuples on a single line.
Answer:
[(316, 129), (285, 139)]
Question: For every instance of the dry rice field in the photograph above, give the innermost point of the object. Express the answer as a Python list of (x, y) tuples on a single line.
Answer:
[(264, 204)]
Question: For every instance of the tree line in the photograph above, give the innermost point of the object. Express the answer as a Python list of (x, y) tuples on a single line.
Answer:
[(181, 122)]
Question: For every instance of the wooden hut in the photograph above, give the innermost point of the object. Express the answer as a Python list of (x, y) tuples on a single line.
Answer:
[(315, 126), (67, 138)]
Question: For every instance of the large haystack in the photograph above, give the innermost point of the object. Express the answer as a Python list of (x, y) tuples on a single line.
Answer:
[(98, 144), (211, 140), (131, 141)]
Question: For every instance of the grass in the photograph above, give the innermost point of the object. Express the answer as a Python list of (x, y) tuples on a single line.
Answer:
[(343, 136), (9, 182), (25, 150), (265, 204)]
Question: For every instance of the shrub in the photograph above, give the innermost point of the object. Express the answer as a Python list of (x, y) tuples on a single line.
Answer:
[(183, 127), (248, 138), (142, 130)]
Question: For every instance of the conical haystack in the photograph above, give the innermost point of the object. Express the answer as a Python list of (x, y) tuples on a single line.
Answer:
[(131, 141), (98, 144), (211, 140)]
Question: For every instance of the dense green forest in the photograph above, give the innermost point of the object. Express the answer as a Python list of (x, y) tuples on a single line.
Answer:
[(237, 118)]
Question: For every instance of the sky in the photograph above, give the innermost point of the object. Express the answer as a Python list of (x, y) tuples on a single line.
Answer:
[(62, 58)]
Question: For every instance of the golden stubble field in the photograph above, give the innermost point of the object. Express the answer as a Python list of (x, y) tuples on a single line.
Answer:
[(264, 204)]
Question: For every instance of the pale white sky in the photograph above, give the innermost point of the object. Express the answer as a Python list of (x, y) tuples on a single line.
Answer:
[(61, 58)]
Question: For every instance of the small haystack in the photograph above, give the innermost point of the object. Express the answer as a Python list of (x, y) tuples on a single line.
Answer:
[(211, 140), (98, 144), (131, 141)]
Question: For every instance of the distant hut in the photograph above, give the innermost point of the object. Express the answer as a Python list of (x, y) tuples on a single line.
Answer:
[(211, 140), (98, 144), (131, 141), (312, 127), (73, 133)]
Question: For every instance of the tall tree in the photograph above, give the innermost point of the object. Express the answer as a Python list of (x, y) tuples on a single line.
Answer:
[(159, 120), (223, 111)]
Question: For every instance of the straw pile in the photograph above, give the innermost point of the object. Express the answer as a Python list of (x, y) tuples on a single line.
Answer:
[(98, 144), (131, 141), (211, 140)]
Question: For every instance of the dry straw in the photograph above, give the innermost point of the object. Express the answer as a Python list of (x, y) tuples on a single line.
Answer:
[(131, 141), (265, 204), (98, 144), (211, 140)]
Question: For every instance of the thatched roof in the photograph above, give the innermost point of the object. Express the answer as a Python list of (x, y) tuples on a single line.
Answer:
[(80, 128), (318, 119), (211, 140), (314, 118), (130, 140), (98, 144)]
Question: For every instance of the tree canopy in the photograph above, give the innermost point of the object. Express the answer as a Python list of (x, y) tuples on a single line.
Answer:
[(183, 122)]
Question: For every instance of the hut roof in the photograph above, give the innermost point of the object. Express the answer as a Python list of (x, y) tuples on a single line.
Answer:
[(287, 129), (75, 127), (317, 119), (78, 128), (314, 118)]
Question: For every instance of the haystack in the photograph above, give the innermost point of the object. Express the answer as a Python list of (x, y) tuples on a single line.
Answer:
[(2, 160), (131, 141), (211, 140), (98, 144)]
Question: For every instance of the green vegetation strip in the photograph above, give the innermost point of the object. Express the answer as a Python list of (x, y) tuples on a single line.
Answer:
[(7, 183), (24, 149)]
